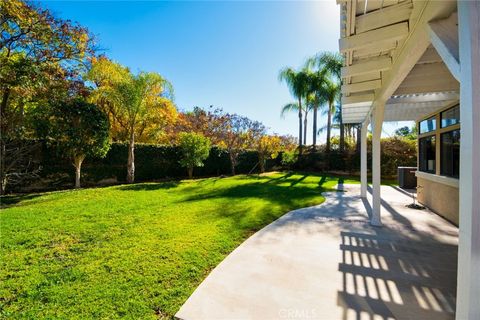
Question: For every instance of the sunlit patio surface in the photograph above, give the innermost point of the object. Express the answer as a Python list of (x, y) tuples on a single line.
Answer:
[(328, 262)]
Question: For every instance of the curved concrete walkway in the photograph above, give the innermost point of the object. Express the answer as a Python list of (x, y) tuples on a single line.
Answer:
[(327, 262)]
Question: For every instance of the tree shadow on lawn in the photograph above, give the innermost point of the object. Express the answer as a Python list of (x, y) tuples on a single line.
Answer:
[(285, 192), (7, 201), (149, 186)]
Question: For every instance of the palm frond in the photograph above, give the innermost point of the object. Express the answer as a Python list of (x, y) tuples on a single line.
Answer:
[(289, 107)]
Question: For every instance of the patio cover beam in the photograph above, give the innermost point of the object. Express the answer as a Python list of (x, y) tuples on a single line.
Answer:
[(367, 66), (444, 37), (384, 17), (378, 38), (413, 48), (361, 86), (361, 100)]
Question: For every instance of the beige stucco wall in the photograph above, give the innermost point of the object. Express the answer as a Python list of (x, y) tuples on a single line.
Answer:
[(441, 198)]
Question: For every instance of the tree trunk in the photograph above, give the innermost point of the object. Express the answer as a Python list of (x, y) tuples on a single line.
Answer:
[(305, 130), (261, 163), (300, 131), (329, 125), (314, 137), (359, 139), (77, 163), (131, 158), (3, 105), (190, 172), (232, 163), (3, 174)]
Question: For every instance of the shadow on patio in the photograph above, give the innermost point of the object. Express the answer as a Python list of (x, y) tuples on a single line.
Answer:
[(389, 277)]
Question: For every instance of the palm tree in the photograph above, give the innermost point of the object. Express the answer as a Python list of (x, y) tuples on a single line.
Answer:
[(328, 67), (317, 98), (295, 107), (138, 104), (331, 61), (297, 82), (331, 91)]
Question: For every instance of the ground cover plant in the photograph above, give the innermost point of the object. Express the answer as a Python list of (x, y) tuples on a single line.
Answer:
[(135, 251)]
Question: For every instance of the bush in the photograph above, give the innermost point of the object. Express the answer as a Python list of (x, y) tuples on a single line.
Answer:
[(289, 158), (195, 149), (396, 152), (152, 163)]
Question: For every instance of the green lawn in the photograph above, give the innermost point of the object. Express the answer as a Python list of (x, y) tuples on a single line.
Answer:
[(135, 251)]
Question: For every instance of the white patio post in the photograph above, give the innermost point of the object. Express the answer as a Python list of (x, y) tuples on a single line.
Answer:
[(363, 159), (377, 123), (468, 281)]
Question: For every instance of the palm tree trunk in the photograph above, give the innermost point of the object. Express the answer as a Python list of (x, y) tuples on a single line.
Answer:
[(342, 136), (131, 158), (305, 130), (300, 123), (329, 126), (314, 137)]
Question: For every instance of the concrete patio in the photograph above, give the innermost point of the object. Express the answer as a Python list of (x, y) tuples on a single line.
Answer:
[(328, 262)]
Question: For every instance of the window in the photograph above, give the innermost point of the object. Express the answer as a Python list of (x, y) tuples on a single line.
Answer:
[(427, 125), (450, 117), (450, 153), (426, 154)]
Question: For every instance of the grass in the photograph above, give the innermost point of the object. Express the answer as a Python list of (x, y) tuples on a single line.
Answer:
[(134, 251)]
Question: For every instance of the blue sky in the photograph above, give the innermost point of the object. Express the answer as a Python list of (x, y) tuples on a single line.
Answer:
[(227, 54)]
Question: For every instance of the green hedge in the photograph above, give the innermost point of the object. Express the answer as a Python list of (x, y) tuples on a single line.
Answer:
[(160, 162), (152, 162)]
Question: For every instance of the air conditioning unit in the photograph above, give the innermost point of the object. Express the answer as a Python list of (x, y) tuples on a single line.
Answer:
[(406, 177)]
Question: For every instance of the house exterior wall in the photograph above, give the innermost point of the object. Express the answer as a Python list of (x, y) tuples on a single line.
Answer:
[(439, 197)]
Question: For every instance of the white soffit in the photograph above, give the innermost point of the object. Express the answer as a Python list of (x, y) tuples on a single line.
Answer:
[(409, 107)]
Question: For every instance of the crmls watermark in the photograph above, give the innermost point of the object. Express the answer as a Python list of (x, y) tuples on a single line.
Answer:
[(291, 313)]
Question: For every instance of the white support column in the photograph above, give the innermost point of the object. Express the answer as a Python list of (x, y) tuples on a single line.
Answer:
[(468, 275), (377, 123), (363, 159)]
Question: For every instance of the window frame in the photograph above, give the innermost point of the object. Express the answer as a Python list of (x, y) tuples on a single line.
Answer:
[(441, 153), (430, 135), (443, 111), (437, 133), (426, 119)]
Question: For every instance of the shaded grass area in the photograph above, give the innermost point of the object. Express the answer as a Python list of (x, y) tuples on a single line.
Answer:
[(135, 251)]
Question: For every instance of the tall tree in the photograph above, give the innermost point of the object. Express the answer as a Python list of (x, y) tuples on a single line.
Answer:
[(76, 129), (297, 81), (238, 133), (41, 59), (327, 66), (331, 91), (316, 78), (139, 106)]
